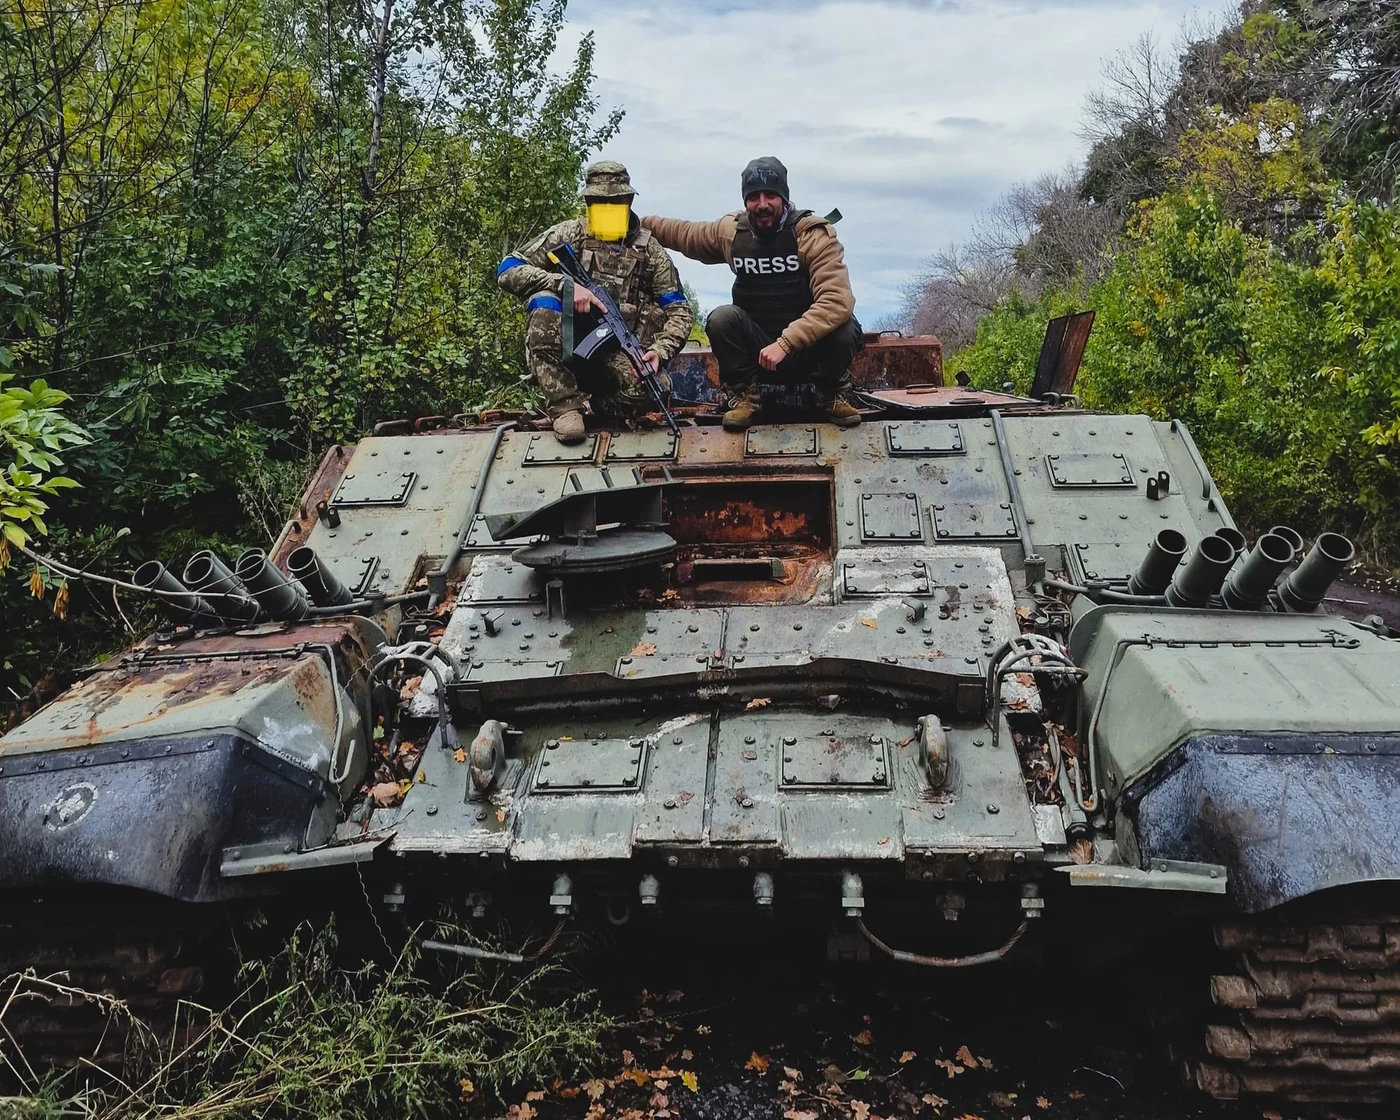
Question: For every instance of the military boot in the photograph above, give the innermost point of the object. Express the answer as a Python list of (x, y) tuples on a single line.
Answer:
[(838, 410), (569, 427), (743, 409)]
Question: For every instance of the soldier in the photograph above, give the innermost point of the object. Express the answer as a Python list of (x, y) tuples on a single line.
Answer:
[(635, 269), (793, 306)]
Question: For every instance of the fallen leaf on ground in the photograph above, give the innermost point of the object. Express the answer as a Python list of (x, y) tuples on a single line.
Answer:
[(1000, 1099), (969, 1116), (660, 1100), (964, 1055), (793, 1074), (758, 702), (500, 816), (636, 1076), (702, 1029), (860, 1110), (422, 775), (593, 1088), (690, 1081), (535, 1095), (952, 1067), (757, 1062), (789, 1087), (1271, 1115), (643, 649), (883, 840), (933, 1100), (870, 622), (467, 1088), (459, 755), (686, 1055), (1081, 851), (386, 794), (907, 1056), (568, 1092), (1041, 1102), (864, 1038), (793, 1114), (1027, 679), (521, 1112), (1075, 1095), (860, 1074), (833, 1075), (628, 1057)]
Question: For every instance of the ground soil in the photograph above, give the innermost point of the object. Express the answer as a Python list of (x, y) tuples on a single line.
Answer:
[(871, 1040)]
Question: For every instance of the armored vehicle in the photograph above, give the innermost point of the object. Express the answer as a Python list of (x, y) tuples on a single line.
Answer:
[(983, 672)]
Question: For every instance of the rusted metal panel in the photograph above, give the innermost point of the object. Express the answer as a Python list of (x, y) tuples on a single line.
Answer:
[(1061, 351), (888, 361)]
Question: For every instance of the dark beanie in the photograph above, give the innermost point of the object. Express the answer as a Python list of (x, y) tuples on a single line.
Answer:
[(766, 173)]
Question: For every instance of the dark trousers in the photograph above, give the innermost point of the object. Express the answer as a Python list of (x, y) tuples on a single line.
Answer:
[(736, 340)]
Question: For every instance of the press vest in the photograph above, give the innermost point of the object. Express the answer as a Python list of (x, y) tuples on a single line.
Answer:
[(770, 281)]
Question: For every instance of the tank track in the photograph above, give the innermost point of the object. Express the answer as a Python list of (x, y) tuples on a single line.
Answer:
[(1309, 1012), (138, 972)]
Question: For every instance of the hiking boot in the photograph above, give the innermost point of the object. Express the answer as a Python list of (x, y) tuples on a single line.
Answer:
[(742, 410), (569, 427), (838, 410)]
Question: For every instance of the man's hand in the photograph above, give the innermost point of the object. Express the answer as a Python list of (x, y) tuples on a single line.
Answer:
[(771, 355), (653, 359), (584, 299)]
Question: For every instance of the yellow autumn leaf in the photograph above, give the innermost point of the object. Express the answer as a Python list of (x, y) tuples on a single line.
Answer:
[(690, 1081)]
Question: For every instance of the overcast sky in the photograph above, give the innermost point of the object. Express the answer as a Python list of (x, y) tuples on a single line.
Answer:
[(910, 117)]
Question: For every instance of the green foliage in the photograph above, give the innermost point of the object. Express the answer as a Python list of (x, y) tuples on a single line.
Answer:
[(268, 225), (33, 431), (1282, 363)]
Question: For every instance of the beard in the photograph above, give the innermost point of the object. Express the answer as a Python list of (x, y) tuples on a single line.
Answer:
[(766, 221)]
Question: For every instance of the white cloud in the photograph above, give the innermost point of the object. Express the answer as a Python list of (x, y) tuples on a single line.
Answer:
[(910, 118)]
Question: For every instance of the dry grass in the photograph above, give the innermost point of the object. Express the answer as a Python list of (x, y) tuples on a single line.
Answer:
[(311, 1037)]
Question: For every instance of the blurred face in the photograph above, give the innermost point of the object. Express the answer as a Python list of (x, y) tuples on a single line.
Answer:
[(608, 218), (765, 209)]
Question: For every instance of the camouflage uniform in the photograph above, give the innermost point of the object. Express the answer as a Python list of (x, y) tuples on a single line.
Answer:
[(640, 277)]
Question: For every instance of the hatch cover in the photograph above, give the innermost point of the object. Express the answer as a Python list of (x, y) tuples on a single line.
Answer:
[(1076, 469), (478, 536), (876, 576), (636, 447), (890, 517), (780, 441), (503, 583), (547, 451), (374, 488), (1113, 562), (925, 437), (568, 765), (491, 672), (825, 761), (973, 520), (355, 572)]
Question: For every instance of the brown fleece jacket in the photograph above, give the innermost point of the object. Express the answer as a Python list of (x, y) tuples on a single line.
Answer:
[(817, 248)]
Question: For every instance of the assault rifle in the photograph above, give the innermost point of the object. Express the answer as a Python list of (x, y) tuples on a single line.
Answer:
[(613, 328)]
